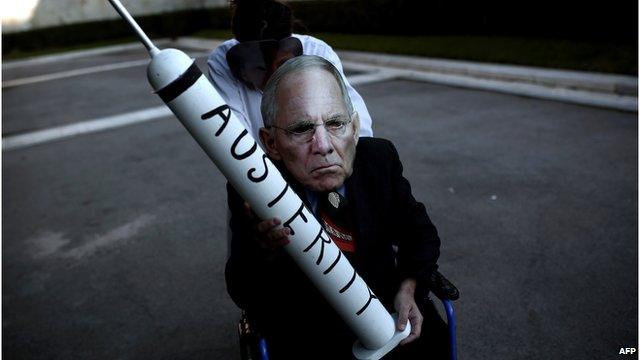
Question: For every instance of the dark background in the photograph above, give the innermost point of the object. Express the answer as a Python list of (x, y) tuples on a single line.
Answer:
[(612, 22)]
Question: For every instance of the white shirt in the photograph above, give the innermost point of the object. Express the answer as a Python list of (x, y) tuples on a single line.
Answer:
[(245, 102)]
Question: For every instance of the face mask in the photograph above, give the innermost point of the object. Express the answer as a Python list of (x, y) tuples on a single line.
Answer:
[(253, 62)]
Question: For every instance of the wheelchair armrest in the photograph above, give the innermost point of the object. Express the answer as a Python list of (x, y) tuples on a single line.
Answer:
[(442, 288)]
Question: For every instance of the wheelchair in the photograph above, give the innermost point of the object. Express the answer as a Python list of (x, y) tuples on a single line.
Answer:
[(254, 347)]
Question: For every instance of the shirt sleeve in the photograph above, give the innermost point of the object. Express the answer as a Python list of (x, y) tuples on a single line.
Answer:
[(227, 86), (322, 49)]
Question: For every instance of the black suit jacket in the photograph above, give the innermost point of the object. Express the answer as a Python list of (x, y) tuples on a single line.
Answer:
[(270, 284)]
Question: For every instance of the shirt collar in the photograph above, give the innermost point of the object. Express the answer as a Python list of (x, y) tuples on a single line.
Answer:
[(312, 196)]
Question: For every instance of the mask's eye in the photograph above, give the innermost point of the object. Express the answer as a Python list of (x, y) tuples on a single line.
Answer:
[(334, 124), (301, 128)]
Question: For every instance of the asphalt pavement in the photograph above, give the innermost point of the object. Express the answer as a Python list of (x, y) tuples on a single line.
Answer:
[(114, 242)]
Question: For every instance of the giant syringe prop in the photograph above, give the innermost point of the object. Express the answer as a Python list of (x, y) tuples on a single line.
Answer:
[(178, 81)]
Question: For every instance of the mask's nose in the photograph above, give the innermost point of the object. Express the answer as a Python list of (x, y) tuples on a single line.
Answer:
[(321, 141)]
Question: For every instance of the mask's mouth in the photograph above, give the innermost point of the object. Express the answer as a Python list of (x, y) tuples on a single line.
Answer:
[(325, 167)]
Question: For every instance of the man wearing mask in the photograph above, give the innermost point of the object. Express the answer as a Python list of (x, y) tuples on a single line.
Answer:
[(355, 187)]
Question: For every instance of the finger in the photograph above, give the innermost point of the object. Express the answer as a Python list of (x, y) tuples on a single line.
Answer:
[(277, 234), (277, 238), (408, 339), (280, 242), (403, 315), (265, 226), (247, 210), (416, 319), (416, 325)]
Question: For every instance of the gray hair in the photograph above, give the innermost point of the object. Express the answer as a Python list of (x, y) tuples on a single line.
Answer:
[(269, 105)]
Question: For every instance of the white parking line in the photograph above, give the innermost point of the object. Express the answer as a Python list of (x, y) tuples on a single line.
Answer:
[(70, 73), (16, 142), (46, 59), (79, 72), (85, 127)]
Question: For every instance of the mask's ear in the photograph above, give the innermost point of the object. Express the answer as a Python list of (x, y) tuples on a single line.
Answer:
[(355, 122), (268, 138)]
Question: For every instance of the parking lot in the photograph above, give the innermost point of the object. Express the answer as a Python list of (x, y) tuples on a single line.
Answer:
[(114, 241)]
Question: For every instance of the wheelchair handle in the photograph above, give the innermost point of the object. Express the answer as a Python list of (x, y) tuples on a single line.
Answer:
[(442, 287)]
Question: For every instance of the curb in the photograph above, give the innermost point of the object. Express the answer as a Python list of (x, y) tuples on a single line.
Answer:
[(618, 92), (577, 80), (563, 94), (609, 91)]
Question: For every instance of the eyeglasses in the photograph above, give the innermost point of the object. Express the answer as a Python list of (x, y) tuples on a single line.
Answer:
[(303, 131)]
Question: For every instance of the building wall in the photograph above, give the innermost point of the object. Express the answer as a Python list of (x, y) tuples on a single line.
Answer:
[(20, 15)]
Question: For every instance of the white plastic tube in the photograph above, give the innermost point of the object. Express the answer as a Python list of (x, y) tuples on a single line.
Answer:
[(201, 110), (195, 102)]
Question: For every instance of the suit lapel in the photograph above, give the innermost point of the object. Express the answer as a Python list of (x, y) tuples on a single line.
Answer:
[(362, 210)]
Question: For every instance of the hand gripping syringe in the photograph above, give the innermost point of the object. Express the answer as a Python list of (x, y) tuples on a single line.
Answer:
[(192, 98)]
